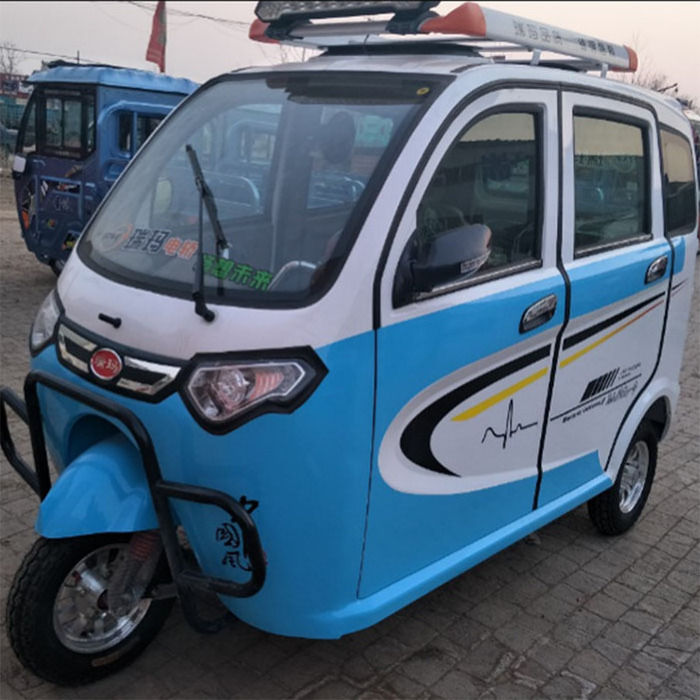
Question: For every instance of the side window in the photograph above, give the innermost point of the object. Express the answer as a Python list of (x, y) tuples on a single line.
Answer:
[(611, 182), (679, 183), (479, 214), (89, 102), (145, 126), (26, 141), (124, 136)]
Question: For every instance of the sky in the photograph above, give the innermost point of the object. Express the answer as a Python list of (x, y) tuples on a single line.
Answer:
[(666, 35)]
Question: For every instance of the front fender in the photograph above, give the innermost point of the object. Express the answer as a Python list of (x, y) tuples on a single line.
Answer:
[(102, 490)]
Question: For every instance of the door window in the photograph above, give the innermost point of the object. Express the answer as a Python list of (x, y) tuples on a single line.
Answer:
[(611, 183), (479, 215), (679, 183)]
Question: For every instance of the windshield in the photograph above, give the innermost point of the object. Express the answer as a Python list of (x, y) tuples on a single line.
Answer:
[(58, 122), (290, 162)]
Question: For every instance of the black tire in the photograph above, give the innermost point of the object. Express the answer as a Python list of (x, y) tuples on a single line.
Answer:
[(608, 511), (30, 615), (57, 266)]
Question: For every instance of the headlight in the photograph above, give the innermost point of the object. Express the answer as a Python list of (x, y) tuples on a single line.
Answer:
[(223, 394), (45, 322)]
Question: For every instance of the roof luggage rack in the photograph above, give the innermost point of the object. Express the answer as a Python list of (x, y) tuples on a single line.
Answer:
[(482, 29)]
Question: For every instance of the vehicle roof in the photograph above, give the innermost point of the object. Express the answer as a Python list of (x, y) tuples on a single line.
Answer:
[(113, 77), (463, 66)]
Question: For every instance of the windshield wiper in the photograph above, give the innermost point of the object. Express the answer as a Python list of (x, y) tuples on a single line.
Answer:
[(206, 198)]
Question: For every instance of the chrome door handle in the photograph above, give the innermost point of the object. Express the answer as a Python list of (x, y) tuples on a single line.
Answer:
[(538, 313), (656, 270)]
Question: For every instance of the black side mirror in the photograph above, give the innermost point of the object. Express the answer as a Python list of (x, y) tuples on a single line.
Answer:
[(455, 254)]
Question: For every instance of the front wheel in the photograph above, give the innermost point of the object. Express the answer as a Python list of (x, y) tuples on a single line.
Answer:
[(615, 511), (58, 617)]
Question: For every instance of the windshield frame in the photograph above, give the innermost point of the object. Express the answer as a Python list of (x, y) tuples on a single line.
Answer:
[(353, 225)]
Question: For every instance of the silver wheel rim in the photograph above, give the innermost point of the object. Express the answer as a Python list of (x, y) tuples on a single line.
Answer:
[(634, 476), (82, 619)]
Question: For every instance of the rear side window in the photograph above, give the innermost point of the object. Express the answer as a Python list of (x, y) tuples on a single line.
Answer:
[(611, 183), (479, 214), (679, 183)]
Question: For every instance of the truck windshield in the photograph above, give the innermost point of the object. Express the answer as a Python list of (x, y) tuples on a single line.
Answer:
[(58, 122), (291, 162)]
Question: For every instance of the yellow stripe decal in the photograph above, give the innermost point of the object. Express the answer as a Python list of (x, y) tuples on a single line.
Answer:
[(496, 398), (592, 346)]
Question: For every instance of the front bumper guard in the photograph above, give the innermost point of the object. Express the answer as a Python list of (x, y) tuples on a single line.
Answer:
[(186, 579)]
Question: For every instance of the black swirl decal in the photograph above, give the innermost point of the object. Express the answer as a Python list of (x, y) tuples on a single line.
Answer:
[(415, 439), (236, 555)]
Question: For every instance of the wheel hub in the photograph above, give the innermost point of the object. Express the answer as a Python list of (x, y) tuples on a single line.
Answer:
[(634, 476), (82, 618)]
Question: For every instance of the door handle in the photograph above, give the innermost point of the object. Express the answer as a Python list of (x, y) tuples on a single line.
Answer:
[(656, 270), (538, 313)]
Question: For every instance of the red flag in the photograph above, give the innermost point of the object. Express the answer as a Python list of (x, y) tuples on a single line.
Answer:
[(156, 45)]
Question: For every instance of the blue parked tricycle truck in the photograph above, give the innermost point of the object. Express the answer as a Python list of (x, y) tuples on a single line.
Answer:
[(343, 329), (81, 126)]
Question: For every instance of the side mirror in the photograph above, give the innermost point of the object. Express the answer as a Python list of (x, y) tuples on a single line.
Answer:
[(453, 255), (19, 163)]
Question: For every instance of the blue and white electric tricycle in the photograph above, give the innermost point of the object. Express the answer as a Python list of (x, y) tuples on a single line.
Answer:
[(344, 329)]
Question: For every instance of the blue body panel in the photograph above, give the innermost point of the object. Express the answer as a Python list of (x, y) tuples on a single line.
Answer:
[(103, 490), (408, 531), (599, 283), (312, 503), (309, 471), (576, 473)]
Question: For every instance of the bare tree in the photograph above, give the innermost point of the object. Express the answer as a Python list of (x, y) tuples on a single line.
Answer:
[(647, 76), (10, 57)]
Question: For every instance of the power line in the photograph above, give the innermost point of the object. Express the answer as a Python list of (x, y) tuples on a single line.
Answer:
[(197, 15), (54, 55)]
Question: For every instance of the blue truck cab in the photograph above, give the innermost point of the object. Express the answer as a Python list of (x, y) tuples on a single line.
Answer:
[(81, 126)]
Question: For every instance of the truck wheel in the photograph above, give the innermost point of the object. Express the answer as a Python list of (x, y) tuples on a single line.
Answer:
[(59, 623), (57, 266), (615, 511)]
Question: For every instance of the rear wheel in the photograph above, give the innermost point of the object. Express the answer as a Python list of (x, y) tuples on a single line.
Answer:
[(58, 616), (617, 509)]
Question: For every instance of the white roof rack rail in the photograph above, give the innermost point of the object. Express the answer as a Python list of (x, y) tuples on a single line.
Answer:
[(292, 23)]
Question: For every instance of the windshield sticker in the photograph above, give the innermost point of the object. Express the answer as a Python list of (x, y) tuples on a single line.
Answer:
[(150, 241), (238, 273)]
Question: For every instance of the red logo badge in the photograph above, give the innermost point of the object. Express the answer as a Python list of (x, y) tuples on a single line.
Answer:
[(105, 364)]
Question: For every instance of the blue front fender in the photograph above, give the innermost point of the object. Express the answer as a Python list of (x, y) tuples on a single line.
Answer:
[(103, 490)]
